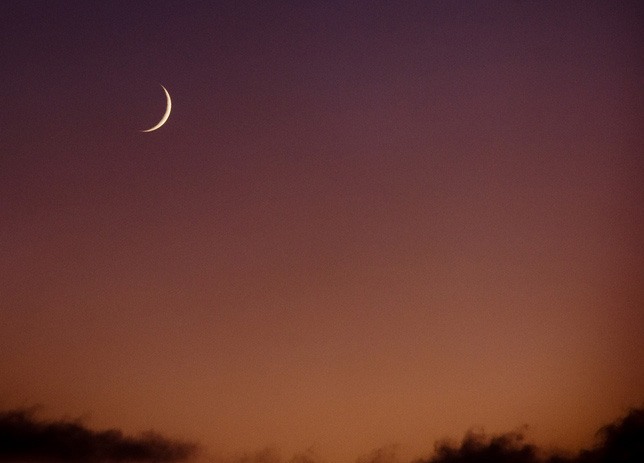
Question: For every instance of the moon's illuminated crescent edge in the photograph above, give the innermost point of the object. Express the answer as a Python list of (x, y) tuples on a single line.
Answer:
[(167, 111)]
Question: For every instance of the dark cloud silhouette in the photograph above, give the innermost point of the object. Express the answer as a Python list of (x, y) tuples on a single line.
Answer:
[(619, 442), (23, 438), (477, 447), (26, 439)]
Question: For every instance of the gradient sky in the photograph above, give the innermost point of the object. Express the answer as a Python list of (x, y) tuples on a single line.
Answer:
[(364, 223)]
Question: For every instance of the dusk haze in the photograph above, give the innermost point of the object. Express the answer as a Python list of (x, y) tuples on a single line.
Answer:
[(321, 231)]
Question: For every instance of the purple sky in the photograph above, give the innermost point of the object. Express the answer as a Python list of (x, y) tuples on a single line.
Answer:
[(364, 223)]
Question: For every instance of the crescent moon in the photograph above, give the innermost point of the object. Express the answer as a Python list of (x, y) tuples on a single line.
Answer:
[(165, 117)]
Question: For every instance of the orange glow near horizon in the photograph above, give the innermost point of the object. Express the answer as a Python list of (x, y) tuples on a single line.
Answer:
[(360, 227)]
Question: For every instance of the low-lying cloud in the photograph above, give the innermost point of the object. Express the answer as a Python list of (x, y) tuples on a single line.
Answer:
[(24, 438), (618, 442)]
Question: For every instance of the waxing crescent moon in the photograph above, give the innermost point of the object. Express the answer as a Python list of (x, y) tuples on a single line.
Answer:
[(167, 111)]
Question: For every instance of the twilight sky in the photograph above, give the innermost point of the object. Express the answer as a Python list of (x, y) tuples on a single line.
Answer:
[(364, 223)]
